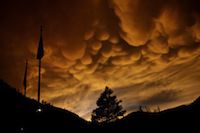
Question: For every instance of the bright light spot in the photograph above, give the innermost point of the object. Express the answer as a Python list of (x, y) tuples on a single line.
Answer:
[(39, 110), (22, 129)]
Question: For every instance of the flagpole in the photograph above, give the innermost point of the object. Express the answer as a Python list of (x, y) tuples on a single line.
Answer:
[(25, 91), (25, 78), (39, 67), (40, 54)]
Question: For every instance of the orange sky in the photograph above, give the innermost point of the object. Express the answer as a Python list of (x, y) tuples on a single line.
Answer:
[(146, 51)]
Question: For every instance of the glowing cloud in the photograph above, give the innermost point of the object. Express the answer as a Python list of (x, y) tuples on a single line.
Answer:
[(147, 51)]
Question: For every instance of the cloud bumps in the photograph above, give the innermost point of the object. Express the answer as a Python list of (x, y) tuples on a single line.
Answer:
[(147, 51)]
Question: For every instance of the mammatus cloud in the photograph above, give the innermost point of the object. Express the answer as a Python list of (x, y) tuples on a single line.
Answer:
[(147, 51)]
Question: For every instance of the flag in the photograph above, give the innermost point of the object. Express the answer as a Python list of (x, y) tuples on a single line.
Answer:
[(40, 52), (25, 77)]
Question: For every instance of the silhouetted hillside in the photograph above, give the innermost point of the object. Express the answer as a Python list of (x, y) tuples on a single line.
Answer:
[(19, 114), (182, 117)]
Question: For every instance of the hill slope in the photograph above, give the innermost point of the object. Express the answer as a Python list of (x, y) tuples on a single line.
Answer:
[(19, 113), (182, 117)]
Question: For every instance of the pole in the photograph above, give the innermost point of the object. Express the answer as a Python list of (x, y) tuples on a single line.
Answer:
[(25, 78), (39, 67), (25, 91)]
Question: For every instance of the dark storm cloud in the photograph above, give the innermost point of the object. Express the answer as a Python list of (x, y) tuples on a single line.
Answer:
[(64, 25), (162, 97)]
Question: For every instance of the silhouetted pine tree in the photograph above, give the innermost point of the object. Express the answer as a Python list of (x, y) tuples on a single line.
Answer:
[(109, 108)]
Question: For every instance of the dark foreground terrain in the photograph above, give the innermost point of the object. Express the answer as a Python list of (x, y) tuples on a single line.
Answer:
[(22, 114)]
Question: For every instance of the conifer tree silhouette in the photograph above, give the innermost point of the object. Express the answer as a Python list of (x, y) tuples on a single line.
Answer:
[(109, 108)]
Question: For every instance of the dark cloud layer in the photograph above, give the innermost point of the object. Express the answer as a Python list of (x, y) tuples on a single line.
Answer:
[(147, 51), (162, 97)]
